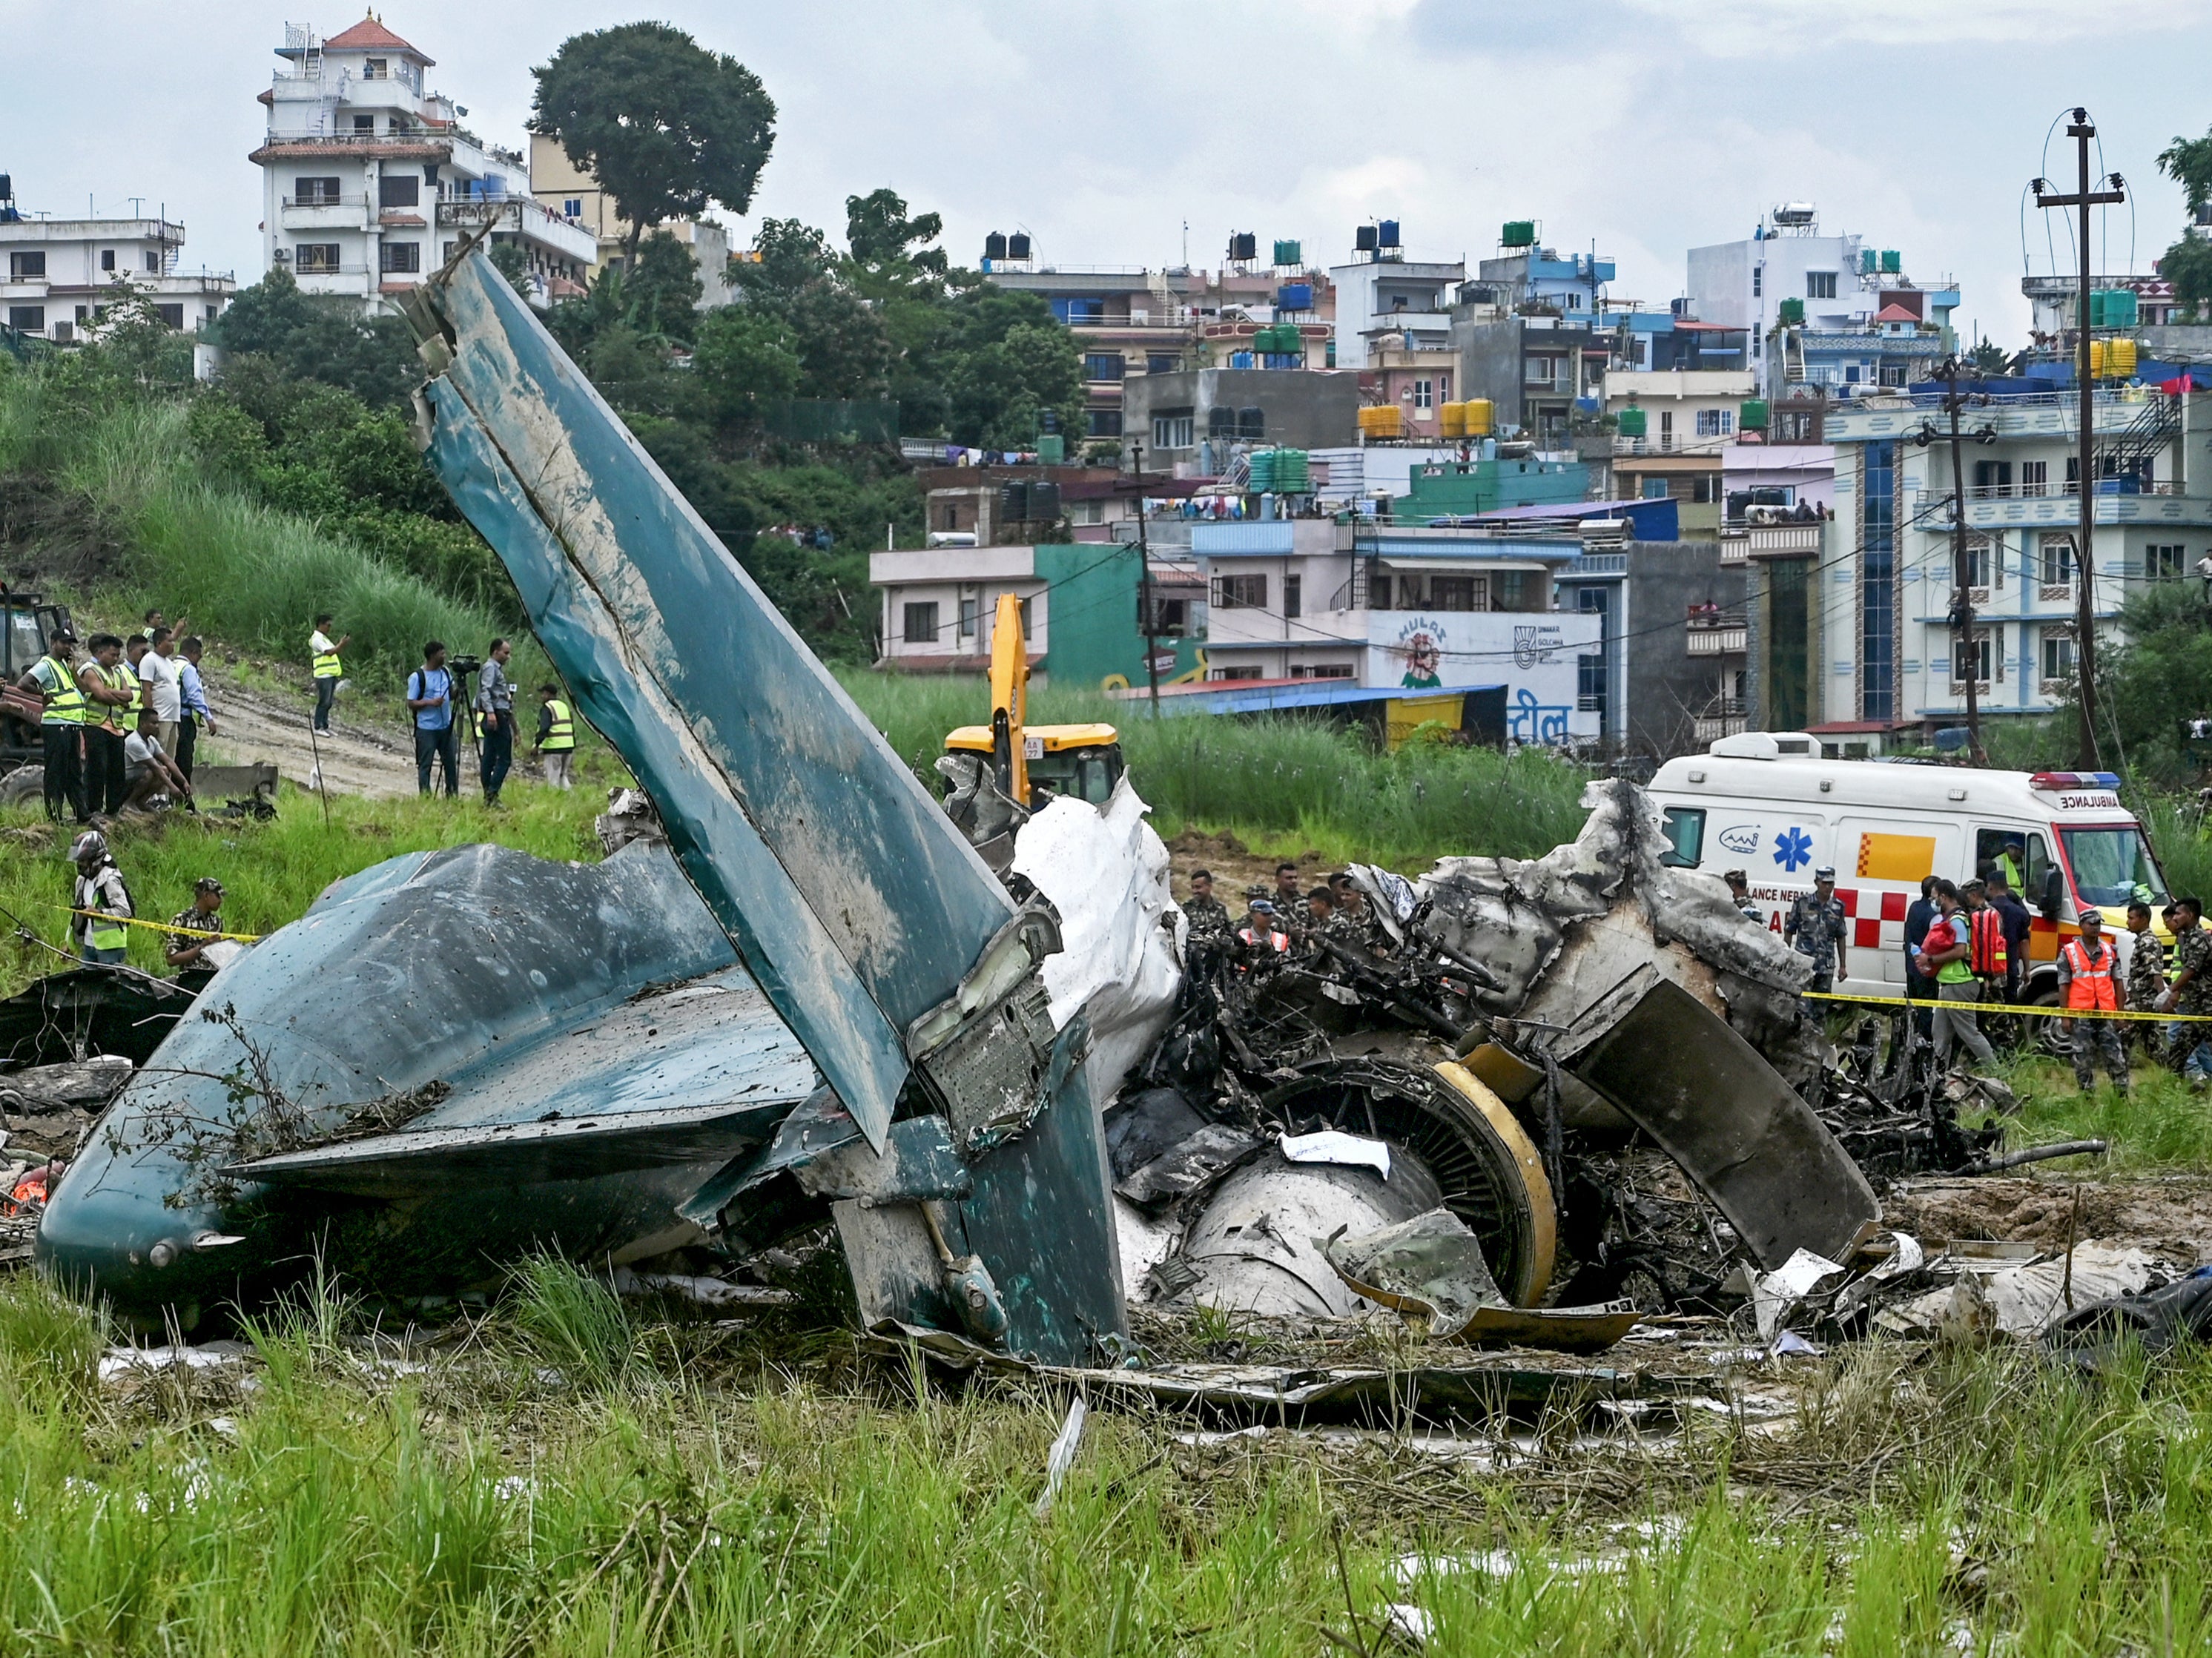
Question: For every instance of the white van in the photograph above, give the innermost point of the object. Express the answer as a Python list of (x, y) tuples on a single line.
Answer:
[(1768, 803)]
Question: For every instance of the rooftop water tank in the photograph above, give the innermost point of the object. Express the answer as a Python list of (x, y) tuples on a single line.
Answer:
[(1519, 233), (1892, 262), (1791, 311), (1289, 254), (1386, 234), (1243, 246), (1017, 246), (1363, 240), (1294, 296), (994, 245)]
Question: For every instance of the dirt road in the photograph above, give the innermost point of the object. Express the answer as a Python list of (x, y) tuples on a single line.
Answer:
[(256, 726)]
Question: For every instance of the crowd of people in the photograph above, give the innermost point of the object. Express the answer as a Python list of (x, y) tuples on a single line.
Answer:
[(119, 719), (438, 686), (1283, 921)]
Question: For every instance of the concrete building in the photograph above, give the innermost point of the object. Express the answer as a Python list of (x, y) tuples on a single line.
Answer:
[(1687, 419), (1080, 609), (1669, 675), (1887, 586), (57, 275), (563, 188), (1385, 300), (1400, 608), (1129, 322), (1192, 420), (369, 181)]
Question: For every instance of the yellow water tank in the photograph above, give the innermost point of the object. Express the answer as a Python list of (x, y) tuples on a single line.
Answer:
[(1382, 420), (1475, 411), (2120, 359), (1454, 416)]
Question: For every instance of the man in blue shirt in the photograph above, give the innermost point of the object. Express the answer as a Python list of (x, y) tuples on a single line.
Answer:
[(430, 699), (191, 691)]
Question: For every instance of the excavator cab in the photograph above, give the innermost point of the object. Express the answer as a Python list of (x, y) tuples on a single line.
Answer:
[(27, 625), (1032, 764)]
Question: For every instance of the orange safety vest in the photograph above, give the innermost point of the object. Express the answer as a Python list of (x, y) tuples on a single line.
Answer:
[(1986, 945), (1282, 943), (2089, 984)]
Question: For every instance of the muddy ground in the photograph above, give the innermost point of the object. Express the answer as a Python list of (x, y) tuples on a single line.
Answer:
[(2169, 1216)]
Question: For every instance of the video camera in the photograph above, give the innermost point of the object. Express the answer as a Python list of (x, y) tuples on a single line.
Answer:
[(464, 666)]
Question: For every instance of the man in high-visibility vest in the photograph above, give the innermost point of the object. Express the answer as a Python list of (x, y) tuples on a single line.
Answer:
[(100, 901), (111, 690), (557, 738), (328, 670), (53, 677), (2086, 981)]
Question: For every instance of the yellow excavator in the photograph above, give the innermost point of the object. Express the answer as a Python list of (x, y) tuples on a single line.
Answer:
[(1031, 764)]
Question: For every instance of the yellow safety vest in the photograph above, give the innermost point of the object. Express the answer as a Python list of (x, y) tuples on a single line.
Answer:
[(101, 932), (120, 679), (562, 734), (327, 665), (66, 705)]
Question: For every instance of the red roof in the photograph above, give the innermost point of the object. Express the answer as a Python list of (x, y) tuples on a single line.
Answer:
[(1894, 313), (369, 34)]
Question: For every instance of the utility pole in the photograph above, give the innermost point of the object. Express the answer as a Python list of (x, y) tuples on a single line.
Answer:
[(1144, 580), (2081, 129), (1962, 606)]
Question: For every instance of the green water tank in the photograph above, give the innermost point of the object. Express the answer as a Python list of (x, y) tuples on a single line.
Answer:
[(1633, 423), (1519, 233), (1289, 254), (1869, 262), (1052, 449), (2112, 307), (1751, 415), (1892, 262), (1792, 311), (1293, 476)]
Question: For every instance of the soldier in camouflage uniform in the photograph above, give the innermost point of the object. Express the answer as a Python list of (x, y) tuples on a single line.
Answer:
[(2190, 991), (1208, 915), (2145, 980), (1814, 926)]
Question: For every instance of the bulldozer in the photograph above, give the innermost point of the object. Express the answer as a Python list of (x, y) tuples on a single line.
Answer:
[(999, 773), (27, 626)]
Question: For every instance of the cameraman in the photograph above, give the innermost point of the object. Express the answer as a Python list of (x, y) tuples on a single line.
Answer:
[(430, 699)]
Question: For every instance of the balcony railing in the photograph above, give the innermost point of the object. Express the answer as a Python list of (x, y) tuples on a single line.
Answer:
[(324, 201), (1721, 633)]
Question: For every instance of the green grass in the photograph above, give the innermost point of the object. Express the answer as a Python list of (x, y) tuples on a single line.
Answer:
[(1266, 779), (715, 1501), (270, 871), (2163, 1125), (200, 547)]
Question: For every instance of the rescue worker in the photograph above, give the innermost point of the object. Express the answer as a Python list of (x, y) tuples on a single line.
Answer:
[(2190, 991), (1208, 915), (2087, 983), (1321, 914), (1944, 956), (1814, 928), (99, 901), (114, 691), (1289, 900), (494, 721), (1986, 955), (1739, 886), (1353, 924), (1263, 933), (556, 746), (2013, 916), (155, 624), (65, 710), (329, 669), (2008, 863), (2146, 981), (205, 916)]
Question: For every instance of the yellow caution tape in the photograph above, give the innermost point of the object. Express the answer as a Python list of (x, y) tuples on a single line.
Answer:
[(2025, 1009), (164, 926)]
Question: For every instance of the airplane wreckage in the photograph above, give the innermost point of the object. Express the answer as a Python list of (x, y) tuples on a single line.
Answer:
[(1550, 1093)]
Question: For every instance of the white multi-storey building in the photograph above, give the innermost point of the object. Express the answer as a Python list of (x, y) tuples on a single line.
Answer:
[(56, 275), (369, 181)]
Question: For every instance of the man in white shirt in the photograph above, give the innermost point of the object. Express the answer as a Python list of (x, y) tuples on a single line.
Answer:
[(147, 771), (2204, 570), (164, 688)]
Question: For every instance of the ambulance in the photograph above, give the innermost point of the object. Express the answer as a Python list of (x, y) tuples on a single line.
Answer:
[(1768, 803)]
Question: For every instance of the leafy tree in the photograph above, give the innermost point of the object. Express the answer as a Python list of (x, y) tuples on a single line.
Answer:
[(512, 262), (844, 349), (632, 373), (1988, 357), (2188, 265), (743, 358), (325, 340), (662, 291), (664, 125), (879, 233), (2188, 162), (2162, 677)]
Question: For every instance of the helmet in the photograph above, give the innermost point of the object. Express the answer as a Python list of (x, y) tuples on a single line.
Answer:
[(88, 846)]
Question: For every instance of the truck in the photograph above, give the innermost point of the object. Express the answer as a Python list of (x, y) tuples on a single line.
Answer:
[(1767, 802), (27, 625)]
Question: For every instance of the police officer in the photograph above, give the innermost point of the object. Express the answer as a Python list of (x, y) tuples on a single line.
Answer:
[(1208, 915), (2191, 992), (1739, 886), (2085, 982), (1814, 927), (67, 709)]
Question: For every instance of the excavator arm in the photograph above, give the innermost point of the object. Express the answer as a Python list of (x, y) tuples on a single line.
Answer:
[(1009, 699)]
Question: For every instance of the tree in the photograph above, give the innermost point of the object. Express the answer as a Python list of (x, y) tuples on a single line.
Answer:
[(512, 262), (2188, 162), (843, 348), (744, 357), (663, 289), (325, 340), (1988, 357), (2188, 265), (879, 234), (666, 126)]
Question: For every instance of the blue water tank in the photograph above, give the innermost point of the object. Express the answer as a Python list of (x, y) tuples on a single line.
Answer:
[(1294, 296), (1386, 234)]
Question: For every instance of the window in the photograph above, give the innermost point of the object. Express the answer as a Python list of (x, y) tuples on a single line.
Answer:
[(1103, 423), (173, 316), (1851, 373), (2112, 866), (969, 605), (1173, 429), (1819, 284), (1758, 279), (1715, 423), (1654, 489), (1974, 653), (1685, 829), (1232, 673), (1324, 670), (1160, 362), (1457, 593), (1666, 428), (1544, 372), (24, 265), (314, 192), (1893, 374), (1080, 309), (1171, 615), (364, 124), (1510, 591), (1240, 593), (2035, 477), (2058, 561), (404, 190), (376, 69), (1293, 595), (573, 208), (2164, 562), (399, 257), (1425, 394), (321, 257), (2057, 654), (1102, 366), (153, 262), (1589, 683), (1992, 479), (920, 624), (1977, 560), (1574, 300)]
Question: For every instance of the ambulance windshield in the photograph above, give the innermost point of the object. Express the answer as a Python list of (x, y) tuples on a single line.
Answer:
[(2113, 866)]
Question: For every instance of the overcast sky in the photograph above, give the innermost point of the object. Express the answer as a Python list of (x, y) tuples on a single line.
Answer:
[(1647, 127)]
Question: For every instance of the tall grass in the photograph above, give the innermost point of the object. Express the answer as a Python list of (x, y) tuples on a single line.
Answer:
[(199, 546), (1274, 776)]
